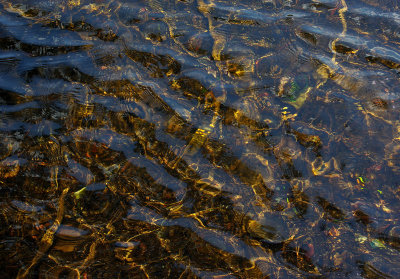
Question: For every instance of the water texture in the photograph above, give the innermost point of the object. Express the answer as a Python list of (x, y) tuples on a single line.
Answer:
[(199, 139)]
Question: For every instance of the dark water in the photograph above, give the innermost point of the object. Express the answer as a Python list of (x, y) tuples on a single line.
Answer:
[(199, 139)]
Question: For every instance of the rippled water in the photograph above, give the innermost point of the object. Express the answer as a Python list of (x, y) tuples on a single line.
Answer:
[(199, 139)]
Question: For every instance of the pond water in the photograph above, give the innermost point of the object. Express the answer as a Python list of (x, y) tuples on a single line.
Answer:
[(199, 139)]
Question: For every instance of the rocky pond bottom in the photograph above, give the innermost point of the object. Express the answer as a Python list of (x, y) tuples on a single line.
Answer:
[(199, 139)]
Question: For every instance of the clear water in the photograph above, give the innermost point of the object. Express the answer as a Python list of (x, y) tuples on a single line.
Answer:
[(199, 139)]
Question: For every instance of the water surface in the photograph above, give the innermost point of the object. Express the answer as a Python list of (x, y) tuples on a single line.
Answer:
[(199, 139)]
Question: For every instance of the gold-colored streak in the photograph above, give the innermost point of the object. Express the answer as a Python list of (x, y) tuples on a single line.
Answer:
[(219, 40), (54, 177), (344, 24), (91, 254), (47, 240), (201, 135)]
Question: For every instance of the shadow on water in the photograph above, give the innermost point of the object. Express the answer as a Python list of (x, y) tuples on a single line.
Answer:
[(199, 139)]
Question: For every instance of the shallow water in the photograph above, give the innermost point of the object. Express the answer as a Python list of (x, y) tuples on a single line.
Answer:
[(199, 139)]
